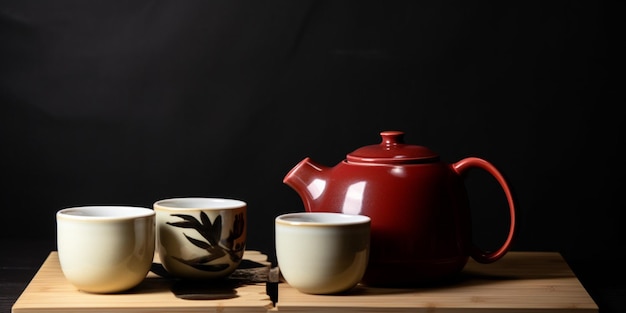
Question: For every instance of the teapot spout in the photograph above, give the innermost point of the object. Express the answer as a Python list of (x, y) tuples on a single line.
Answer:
[(308, 179)]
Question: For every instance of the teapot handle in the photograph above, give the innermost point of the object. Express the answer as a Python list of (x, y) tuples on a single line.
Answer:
[(476, 253)]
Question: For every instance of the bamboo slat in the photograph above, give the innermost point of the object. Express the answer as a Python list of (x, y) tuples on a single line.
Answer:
[(519, 282), (49, 291)]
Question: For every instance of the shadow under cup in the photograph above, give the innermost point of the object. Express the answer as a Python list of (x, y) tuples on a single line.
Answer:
[(105, 249), (201, 238), (322, 253)]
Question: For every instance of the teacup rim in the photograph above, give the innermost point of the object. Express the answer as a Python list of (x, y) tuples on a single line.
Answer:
[(174, 204), (122, 212), (338, 219)]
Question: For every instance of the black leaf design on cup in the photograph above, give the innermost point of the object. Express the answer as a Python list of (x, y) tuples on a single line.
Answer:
[(235, 250), (215, 247)]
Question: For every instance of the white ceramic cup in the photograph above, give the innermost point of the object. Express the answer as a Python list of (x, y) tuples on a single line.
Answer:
[(322, 253), (201, 238), (105, 249)]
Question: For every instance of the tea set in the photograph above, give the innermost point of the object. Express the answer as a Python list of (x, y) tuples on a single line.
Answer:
[(390, 214)]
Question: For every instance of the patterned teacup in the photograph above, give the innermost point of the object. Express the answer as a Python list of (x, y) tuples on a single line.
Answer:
[(201, 238)]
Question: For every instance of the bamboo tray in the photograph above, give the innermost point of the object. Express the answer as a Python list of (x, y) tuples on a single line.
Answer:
[(519, 282)]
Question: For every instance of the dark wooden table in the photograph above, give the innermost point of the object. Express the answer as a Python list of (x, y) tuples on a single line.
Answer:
[(19, 261), (605, 280)]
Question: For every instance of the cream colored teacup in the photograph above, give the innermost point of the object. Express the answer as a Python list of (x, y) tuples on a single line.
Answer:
[(105, 249), (201, 238), (322, 253)]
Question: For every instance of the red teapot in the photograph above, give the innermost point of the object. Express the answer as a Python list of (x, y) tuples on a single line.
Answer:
[(418, 205)]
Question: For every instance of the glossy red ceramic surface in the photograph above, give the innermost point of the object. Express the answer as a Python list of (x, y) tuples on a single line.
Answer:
[(418, 205)]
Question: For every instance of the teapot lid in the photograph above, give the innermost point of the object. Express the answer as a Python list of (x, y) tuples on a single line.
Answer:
[(392, 150)]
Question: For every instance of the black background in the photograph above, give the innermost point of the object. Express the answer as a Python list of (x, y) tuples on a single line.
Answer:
[(129, 102)]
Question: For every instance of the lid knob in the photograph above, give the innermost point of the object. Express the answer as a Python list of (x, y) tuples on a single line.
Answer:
[(391, 138)]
